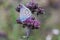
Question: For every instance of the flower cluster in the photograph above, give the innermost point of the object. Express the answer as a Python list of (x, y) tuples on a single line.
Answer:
[(34, 7), (31, 21)]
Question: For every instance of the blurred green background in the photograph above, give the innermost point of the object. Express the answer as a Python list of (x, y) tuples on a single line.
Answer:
[(8, 16)]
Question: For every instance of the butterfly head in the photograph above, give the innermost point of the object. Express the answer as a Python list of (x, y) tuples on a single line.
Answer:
[(19, 7)]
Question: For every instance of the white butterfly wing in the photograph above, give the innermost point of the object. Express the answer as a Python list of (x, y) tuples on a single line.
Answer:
[(25, 13)]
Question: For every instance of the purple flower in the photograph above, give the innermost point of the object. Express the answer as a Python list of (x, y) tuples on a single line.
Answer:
[(3, 34), (32, 6), (30, 22), (40, 10), (34, 23)]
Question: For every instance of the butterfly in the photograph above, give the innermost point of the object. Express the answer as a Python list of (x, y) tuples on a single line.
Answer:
[(25, 13)]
